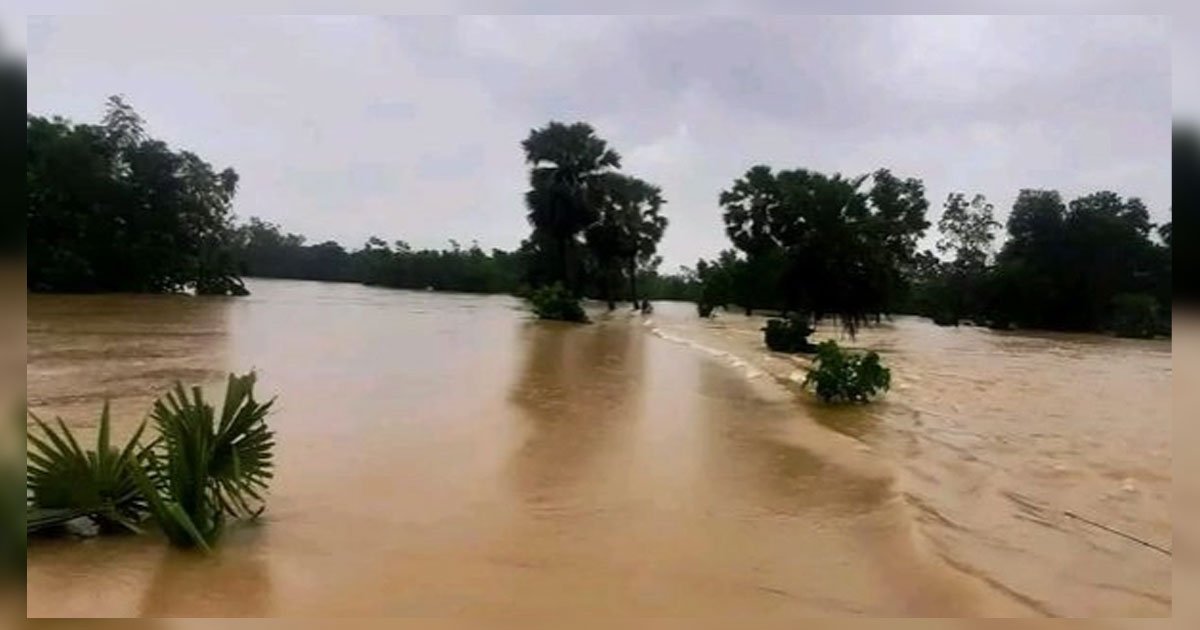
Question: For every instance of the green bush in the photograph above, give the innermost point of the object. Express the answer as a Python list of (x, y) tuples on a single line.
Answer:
[(943, 318), (206, 468), (555, 302), (841, 376), (199, 469), (704, 309), (1135, 315), (64, 482), (788, 335)]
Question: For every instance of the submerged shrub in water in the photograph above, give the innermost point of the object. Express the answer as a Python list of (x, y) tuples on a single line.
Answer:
[(207, 467), (841, 376), (1135, 315), (704, 309), (788, 335), (64, 482), (555, 302)]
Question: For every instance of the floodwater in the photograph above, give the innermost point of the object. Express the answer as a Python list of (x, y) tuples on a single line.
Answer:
[(444, 455)]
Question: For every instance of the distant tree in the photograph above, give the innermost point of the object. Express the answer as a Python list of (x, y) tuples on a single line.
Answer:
[(967, 229), (953, 289), (1063, 266)]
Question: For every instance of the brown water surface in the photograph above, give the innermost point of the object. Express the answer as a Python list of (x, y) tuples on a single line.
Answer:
[(444, 455)]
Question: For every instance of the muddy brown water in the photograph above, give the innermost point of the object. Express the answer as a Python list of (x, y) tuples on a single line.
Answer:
[(445, 455)]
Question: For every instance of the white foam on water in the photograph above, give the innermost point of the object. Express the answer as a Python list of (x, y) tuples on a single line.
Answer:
[(748, 370)]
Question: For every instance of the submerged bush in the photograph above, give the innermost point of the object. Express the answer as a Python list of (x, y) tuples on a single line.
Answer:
[(841, 376), (200, 469), (943, 318), (555, 302), (788, 335), (704, 309), (64, 482), (1135, 315), (206, 468)]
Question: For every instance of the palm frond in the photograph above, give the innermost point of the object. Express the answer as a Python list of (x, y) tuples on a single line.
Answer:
[(64, 482), (207, 467)]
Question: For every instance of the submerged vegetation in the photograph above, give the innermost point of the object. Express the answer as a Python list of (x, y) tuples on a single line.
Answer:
[(199, 469), (788, 335), (65, 482), (838, 375), (555, 302)]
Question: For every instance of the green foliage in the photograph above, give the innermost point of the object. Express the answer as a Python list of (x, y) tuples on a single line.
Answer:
[(841, 376), (788, 335), (1135, 315), (65, 482), (821, 243), (111, 209), (555, 302), (623, 242), (266, 251), (206, 467), (568, 183), (1063, 266), (576, 189), (968, 230)]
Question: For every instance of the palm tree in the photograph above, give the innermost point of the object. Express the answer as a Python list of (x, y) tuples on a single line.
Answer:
[(570, 165), (638, 204)]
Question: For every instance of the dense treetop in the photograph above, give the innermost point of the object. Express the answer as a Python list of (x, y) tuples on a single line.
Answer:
[(112, 209)]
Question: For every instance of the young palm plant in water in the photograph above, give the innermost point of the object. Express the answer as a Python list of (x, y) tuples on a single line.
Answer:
[(205, 468), (64, 482)]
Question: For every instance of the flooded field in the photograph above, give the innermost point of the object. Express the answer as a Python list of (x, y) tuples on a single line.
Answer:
[(445, 455), (1017, 453)]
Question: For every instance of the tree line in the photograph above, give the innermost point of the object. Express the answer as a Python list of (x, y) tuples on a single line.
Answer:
[(111, 209), (816, 245), (264, 250), (1094, 263)]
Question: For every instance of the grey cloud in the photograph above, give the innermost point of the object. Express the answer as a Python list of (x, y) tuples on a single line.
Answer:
[(410, 127)]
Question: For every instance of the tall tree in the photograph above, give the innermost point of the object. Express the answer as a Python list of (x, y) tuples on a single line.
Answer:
[(569, 167), (753, 212), (607, 241), (639, 204)]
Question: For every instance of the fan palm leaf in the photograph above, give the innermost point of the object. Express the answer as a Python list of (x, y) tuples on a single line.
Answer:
[(207, 467), (63, 481)]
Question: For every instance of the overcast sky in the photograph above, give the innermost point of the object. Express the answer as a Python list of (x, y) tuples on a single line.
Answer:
[(410, 128)]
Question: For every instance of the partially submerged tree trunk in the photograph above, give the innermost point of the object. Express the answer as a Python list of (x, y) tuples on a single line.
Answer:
[(633, 293), (563, 269)]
